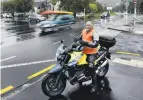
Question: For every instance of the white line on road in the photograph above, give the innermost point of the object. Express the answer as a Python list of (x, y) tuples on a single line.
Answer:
[(26, 64), (57, 42), (8, 58), (132, 62)]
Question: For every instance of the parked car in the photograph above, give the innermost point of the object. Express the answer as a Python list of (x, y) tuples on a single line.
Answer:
[(80, 14), (36, 17), (6, 15), (56, 22), (105, 15)]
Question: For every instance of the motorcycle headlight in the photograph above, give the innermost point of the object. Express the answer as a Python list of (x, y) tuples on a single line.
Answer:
[(60, 58)]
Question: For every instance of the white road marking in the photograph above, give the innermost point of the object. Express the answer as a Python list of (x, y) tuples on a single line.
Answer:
[(8, 58), (132, 62), (138, 32), (26, 64), (57, 42)]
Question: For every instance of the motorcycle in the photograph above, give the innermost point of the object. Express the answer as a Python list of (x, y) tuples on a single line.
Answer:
[(72, 66)]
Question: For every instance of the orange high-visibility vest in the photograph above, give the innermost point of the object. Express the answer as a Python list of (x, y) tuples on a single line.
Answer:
[(88, 37)]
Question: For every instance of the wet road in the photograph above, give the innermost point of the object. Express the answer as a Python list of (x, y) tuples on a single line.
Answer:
[(20, 58), (126, 84), (30, 51), (16, 30)]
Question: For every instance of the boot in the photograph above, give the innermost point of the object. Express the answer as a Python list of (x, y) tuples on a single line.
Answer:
[(94, 85), (94, 89)]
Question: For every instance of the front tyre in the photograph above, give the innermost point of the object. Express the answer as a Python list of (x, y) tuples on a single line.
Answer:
[(49, 87), (103, 71)]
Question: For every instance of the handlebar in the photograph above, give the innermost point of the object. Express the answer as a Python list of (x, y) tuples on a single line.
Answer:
[(74, 45)]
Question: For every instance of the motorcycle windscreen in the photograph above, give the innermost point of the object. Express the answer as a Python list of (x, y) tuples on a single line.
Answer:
[(55, 68)]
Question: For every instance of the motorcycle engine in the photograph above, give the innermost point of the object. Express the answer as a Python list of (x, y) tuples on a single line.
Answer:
[(79, 77)]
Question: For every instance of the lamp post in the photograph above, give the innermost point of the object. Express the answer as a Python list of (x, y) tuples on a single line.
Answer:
[(135, 8), (127, 5), (84, 16)]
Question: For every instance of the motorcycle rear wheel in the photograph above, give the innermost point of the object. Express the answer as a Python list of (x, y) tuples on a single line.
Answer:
[(49, 87)]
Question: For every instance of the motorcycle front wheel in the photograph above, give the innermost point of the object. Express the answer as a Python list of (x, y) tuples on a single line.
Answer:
[(49, 87), (103, 71)]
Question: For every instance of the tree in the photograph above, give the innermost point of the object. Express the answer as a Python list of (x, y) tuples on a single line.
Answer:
[(17, 5), (43, 5), (24, 5), (100, 7), (93, 7), (75, 5), (54, 1), (141, 8), (8, 6)]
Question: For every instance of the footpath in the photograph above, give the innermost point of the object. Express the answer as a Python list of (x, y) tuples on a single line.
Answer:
[(134, 26), (117, 23)]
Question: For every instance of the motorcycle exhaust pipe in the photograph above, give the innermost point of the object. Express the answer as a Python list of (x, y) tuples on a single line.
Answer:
[(100, 67)]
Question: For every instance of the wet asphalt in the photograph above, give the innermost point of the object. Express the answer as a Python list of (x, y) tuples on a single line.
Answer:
[(25, 41)]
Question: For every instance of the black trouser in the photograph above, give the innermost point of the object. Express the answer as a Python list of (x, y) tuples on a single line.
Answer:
[(90, 59)]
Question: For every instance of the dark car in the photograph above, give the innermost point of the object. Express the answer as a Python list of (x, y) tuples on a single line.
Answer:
[(105, 15), (56, 22)]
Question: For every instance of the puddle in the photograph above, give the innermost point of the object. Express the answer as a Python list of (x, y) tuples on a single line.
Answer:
[(13, 31)]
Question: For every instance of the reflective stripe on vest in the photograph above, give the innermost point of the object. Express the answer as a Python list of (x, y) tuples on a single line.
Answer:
[(88, 37)]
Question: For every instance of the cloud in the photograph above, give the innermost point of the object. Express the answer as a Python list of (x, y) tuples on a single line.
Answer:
[(108, 2)]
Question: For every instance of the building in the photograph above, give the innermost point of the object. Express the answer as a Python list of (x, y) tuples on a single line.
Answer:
[(44, 5), (140, 6)]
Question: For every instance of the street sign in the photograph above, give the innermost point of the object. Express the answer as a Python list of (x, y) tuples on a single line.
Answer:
[(109, 8)]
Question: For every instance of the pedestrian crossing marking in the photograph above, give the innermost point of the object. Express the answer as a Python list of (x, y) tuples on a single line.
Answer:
[(6, 89), (132, 62)]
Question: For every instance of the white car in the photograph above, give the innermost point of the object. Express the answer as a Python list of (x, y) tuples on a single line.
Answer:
[(36, 17), (6, 15), (80, 15)]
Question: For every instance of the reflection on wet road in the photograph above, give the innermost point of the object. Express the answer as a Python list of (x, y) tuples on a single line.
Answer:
[(13, 31)]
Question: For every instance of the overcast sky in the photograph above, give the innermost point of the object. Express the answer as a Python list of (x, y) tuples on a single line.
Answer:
[(107, 2)]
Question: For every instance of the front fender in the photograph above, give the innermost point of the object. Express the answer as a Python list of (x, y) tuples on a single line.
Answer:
[(56, 68)]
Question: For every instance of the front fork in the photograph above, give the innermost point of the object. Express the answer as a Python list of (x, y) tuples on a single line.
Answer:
[(61, 76)]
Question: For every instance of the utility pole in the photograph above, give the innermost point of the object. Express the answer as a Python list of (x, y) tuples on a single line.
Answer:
[(46, 4), (127, 5), (84, 16), (135, 8), (135, 13)]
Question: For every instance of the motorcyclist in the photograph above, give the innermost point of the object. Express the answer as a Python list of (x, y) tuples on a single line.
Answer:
[(90, 42)]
